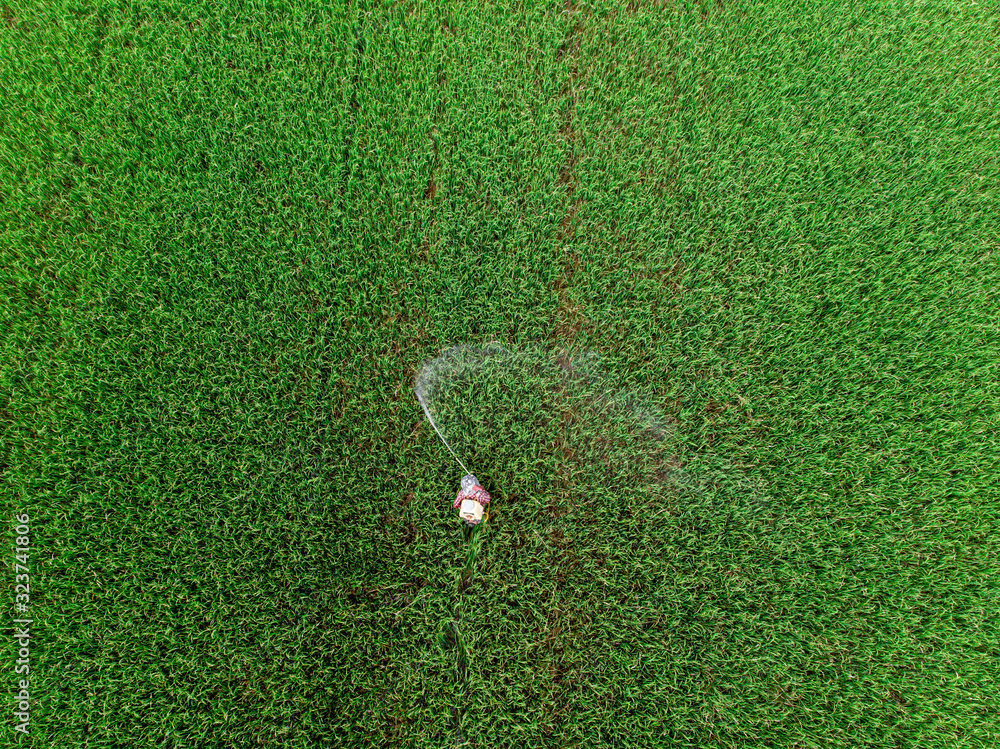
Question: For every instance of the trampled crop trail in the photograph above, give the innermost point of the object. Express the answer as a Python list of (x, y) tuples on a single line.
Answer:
[(474, 539)]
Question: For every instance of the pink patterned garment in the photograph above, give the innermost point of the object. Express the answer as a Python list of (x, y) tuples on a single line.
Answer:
[(477, 493)]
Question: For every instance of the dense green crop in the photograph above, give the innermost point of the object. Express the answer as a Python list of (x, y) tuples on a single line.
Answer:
[(232, 233)]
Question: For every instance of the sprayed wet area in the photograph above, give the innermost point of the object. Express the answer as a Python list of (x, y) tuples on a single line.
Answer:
[(598, 508), (551, 436)]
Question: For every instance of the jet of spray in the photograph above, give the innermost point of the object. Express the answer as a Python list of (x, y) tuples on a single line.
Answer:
[(423, 403), (440, 374)]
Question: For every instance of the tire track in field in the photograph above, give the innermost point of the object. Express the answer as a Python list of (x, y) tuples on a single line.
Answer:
[(561, 625), (569, 318), (324, 337), (326, 367), (359, 53)]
